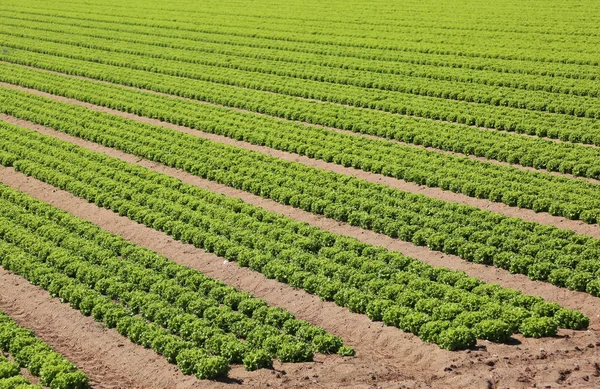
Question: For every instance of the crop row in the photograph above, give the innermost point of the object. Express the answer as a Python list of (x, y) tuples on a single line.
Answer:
[(537, 153), (574, 199), (542, 252), (199, 317), (149, 272), (563, 127), (390, 93), (185, 303), (158, 298), (31, 353), (370, 280), (114, 315), (407, 22), (413, 79), (583, 87), (465, 45), (245, 24), (319, 54)]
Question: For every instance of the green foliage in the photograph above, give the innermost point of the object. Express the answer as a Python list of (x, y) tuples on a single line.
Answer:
[(538, 327), (456, 338), (412, 322), (492, 330), (9, 369), (326, 344), (376, 309), (294, 352), (346, 351), (188, 359), (33, 354), (473, 247), (431, 331), (358, 274), (212, 368), (74, 380), (575, 320), (257, 359)]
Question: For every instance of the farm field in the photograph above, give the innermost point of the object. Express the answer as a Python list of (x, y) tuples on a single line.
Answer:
[(340, 194)]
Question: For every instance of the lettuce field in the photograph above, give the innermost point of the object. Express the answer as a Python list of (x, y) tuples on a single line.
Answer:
[(323, 194)]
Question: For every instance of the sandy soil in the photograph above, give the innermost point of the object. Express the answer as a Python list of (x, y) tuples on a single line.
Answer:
[(321, 101), (347, 132), (387, 357), (582, 301), (525, 214)]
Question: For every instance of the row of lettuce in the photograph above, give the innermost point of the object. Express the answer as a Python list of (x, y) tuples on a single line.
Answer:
[(248, 49), (408, 83), (191, 319), (520, 74), (441, 306), (576, 119), (562, 257), (26, 351), (542, 192), (389, 45), (512, 148)]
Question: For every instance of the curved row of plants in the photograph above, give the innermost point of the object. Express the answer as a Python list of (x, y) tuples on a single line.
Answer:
[(390, 93), (439, 305), (574, 199), (564, 127), (542, 252), (30, 352)]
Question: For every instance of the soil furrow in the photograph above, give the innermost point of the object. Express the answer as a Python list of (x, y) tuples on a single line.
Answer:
[(110, 360), (522, 213), (387, 357), (331, 128)]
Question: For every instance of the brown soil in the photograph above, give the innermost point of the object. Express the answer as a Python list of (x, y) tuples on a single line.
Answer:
[(387, 357), (347, 132), (525, 214), (577, 300), (332, 103)]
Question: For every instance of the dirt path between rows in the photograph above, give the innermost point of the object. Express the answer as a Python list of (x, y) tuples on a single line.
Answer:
[(341, 105), (338, 130), (525, 214), (387, 357), (110, 360), (577, 300)]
